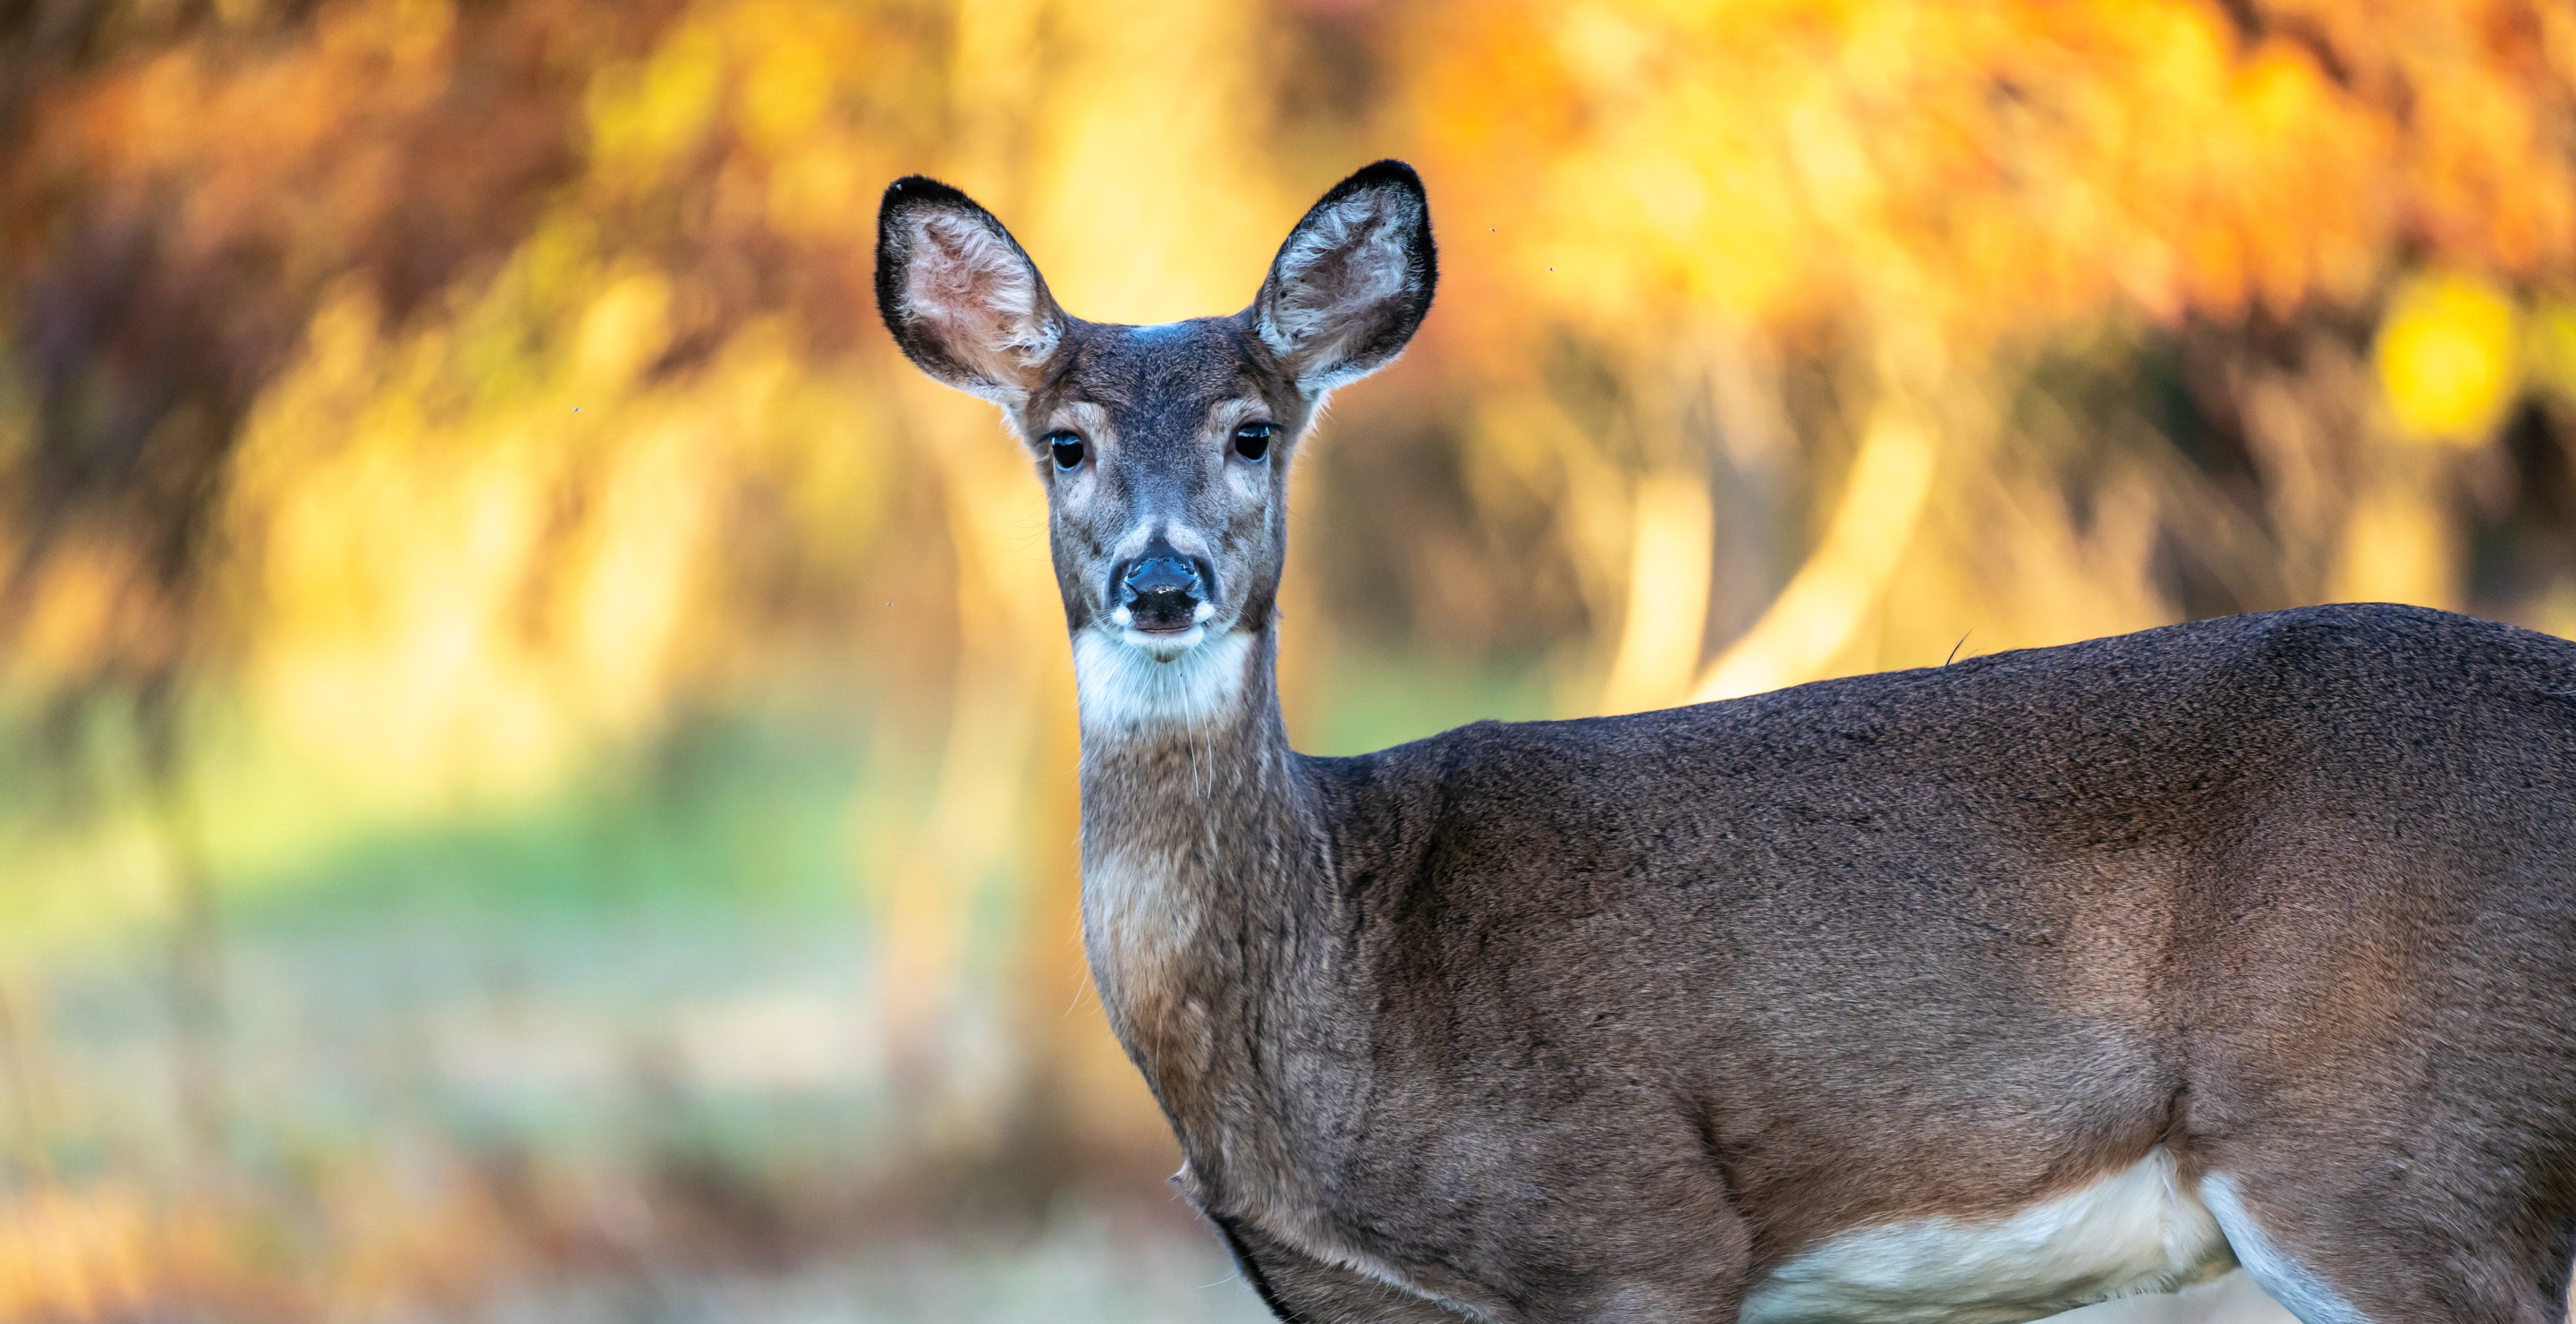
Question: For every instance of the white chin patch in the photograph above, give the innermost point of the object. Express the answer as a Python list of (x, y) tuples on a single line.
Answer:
[(1133, 683)]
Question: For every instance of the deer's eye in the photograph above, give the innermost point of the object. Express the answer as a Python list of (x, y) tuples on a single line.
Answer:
[(1252, 440), (1067, 447)]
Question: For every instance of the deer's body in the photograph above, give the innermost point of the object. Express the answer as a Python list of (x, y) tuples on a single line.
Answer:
[(1800, 977), (1964, 994)]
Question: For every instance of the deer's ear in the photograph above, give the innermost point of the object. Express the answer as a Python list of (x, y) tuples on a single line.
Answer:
[(966, 305), (1353, 280)]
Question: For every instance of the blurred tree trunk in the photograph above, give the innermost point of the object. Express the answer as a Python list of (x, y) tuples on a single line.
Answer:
[(196, 970)]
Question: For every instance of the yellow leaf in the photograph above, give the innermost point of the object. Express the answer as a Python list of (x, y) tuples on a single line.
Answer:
[(2449, 359)]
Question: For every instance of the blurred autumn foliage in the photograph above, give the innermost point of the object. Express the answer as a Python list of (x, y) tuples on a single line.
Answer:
[(446, 449)]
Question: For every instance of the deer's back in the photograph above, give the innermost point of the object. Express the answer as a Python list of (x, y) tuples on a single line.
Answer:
[(2069, 892)]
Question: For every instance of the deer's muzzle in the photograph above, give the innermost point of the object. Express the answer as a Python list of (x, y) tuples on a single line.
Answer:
[(1162, 589)]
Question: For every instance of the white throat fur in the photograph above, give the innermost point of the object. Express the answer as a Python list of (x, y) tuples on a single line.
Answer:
[(1127, 691)]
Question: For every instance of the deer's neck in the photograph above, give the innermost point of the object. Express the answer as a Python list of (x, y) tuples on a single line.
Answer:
[(1196, 839)]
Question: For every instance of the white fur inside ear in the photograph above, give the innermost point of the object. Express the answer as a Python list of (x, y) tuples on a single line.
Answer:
[(970, 289), (1336, 275)]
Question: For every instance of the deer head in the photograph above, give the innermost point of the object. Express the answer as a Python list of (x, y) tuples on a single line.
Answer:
[(1164, 449)]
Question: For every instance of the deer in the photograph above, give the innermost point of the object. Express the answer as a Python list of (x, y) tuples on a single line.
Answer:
[(2229, 959)]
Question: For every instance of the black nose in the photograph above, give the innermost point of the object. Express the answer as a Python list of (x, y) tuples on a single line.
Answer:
[(1161, 588)]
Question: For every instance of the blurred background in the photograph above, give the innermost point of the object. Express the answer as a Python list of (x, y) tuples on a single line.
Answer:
[(536, 754)]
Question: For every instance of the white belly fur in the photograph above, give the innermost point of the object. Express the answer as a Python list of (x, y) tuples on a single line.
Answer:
[(2232, 1299), (2136, 1231)]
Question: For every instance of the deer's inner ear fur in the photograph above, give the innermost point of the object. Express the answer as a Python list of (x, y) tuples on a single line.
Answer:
[(1353, 280), (962, 300)]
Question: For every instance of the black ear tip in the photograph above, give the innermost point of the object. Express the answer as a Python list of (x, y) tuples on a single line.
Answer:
[(1388, 173), (921, 190)]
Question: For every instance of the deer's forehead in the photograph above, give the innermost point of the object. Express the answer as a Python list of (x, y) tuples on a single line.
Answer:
[(1161, 382)]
